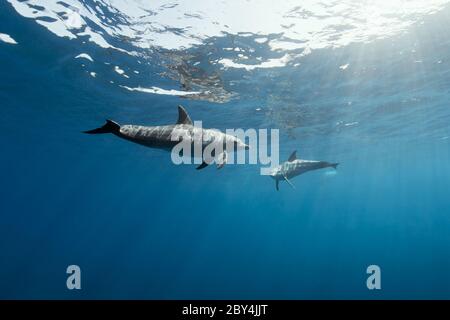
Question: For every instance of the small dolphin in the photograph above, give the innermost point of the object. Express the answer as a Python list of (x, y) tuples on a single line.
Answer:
[(167, 136), (294, 167)]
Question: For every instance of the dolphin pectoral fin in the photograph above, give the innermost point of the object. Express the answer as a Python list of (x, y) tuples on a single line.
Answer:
[(203, 165), (222, 160), (220, 165), (276, 184), (290, 183)]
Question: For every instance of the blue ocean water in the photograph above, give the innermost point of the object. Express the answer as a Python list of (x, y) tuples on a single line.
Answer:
[(141, 227)]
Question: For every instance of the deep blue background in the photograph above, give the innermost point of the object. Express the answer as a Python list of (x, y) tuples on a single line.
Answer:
[(140, 227)]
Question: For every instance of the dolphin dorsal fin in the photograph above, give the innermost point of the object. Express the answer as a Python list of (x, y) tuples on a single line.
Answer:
[(293, 156), (183, 117)]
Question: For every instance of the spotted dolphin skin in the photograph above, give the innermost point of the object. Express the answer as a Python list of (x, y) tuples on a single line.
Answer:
[(294, 167), (168, 136)]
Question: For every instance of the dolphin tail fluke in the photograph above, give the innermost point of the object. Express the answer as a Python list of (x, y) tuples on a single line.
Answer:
[(334, 165), (109, 127)]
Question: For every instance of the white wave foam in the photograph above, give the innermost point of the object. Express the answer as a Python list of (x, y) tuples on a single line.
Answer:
[(261, 40), (157, 90), (120, 71), (271, 63), (7, 38), (84, 56), (312, 24), (66, 18)]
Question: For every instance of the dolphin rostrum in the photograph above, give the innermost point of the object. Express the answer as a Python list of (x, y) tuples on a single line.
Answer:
[(168, 136), (294, 167)]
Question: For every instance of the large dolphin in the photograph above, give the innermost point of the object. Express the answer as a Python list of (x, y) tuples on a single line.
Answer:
[(167, 136), (294, 167)]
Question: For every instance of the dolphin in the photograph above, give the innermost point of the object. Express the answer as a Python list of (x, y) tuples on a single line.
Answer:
[(294, 167), (168, 136)]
